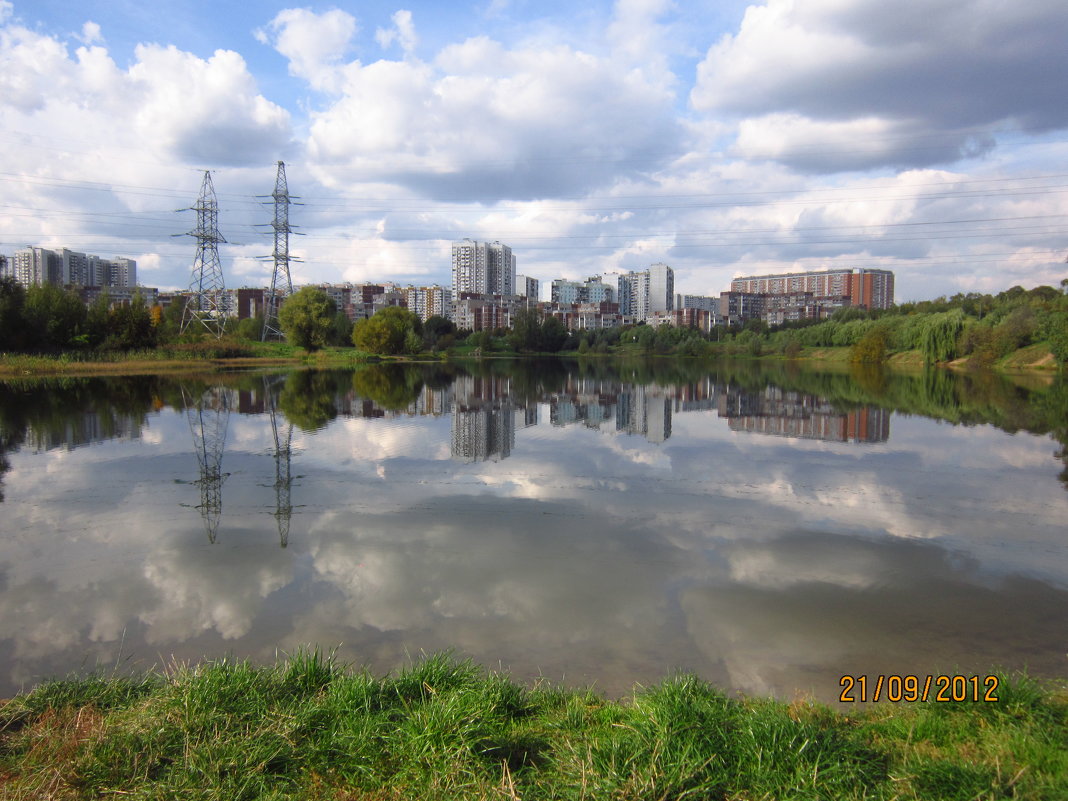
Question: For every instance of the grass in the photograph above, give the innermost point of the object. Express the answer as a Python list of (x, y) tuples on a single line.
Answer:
[(307, 728)]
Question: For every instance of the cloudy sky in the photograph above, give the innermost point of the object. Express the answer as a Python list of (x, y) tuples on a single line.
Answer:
[(722, 137)]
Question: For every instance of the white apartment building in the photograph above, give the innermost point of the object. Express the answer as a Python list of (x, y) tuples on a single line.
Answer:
[(643, 294), (34, 266), (484, 268)]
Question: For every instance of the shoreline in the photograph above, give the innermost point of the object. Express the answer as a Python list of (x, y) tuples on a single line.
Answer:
[(1033, 360)]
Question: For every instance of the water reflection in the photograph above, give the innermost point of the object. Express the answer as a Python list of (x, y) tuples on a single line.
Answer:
[(586, 522), (208, 415)]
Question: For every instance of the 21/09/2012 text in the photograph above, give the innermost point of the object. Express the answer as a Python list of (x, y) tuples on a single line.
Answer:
[(907, 687)]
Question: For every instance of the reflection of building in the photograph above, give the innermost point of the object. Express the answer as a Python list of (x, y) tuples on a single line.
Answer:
[(644, 410), (483, 418), (85, 429), (794, 414)]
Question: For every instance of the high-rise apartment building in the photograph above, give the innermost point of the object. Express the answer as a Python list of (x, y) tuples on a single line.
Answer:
[(527, 287), (34, 266), (858, 286), (430, 301), (483, 268), (661, 288), (643, 294)]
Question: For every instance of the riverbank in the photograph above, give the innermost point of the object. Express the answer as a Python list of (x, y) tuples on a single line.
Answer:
[(1032, 359), (306, 728)]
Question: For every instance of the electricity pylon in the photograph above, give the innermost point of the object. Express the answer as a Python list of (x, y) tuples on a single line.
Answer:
[(206, 303), (283, 479), (281, 282), (208, 418)]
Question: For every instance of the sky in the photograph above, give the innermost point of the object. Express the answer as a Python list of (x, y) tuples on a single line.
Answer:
[(724, 138)]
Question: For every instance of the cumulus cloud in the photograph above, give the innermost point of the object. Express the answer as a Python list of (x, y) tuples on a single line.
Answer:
[(900, 73), (206, 111), (483, 122), (314, 43)]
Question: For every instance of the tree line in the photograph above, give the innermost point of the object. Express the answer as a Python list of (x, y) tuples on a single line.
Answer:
[(981, 327)]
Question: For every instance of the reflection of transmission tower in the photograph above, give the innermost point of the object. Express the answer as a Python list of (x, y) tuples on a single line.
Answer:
[(283, 480), (281, 282), (208, 417), (206, 289)]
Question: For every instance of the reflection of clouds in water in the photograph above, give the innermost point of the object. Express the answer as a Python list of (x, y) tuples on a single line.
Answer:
[(812, 605), (586, 552), (359, 442), (204, 588), (497, 581)]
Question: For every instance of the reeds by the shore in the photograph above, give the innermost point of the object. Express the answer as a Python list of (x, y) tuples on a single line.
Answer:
[(308, 728)]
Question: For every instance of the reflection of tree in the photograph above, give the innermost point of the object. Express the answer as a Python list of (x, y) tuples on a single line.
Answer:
[(391, 386), (309, 399)]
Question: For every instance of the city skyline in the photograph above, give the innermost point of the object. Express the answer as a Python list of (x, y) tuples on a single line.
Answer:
[(724, 139)]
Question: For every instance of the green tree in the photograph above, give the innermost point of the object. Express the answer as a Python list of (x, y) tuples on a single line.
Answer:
[(871, 348), (387, 332), (526, 333), (306, 317), (340, 330), (130, 326), (251, 328), (12, 322), (938, 338), (438, 331), (55, 318)]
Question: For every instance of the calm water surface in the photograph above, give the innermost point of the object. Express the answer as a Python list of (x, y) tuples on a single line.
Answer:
[(599, 525)]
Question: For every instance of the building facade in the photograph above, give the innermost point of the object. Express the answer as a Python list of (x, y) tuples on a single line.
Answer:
[(35, 266), (643, 294), (858, 286), (482, 268)]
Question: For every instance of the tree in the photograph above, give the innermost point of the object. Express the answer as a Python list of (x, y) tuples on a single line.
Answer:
[(12, 324), (131, 326), (340, 330), (526, 333), (55, 318), (306, 317), (438, 330), (387, 332)]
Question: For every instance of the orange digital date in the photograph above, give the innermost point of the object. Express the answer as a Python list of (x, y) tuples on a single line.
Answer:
[(895, 688)]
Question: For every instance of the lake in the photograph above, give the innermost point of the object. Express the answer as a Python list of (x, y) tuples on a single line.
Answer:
[(593, 523)]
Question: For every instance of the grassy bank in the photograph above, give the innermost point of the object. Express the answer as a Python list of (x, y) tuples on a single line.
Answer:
[(242, 355), (211, 356), (306, 728)]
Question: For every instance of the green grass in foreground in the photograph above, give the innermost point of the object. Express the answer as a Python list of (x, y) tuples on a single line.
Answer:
[(307, 728)]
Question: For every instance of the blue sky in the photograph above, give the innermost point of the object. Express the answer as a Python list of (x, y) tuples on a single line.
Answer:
[(724, 138)]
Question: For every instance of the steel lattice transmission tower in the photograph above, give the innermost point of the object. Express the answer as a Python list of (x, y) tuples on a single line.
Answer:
[(281, 282), (206, 304), (209, 416)]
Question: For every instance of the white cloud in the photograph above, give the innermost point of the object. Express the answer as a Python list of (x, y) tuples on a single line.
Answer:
[(314, 43), (403, 33), (946, 76), (483, 122), (90, 34), (206, 111)]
